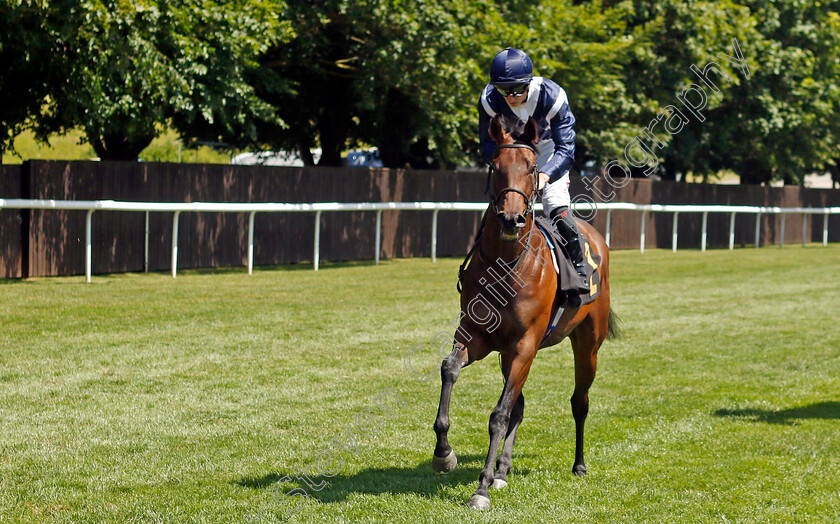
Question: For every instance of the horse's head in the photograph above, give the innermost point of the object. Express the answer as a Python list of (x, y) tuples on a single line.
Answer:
[(513, 177)]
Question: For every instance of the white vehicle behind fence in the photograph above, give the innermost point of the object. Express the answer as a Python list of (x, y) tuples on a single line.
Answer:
[(356, 158), (273, 158)]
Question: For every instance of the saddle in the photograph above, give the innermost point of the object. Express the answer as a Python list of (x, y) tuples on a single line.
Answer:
[(567, 276)]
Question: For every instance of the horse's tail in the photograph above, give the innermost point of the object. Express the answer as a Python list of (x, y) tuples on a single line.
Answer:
[(613, 326)]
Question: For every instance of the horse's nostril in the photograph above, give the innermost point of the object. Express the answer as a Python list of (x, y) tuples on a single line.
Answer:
[(517, 221)]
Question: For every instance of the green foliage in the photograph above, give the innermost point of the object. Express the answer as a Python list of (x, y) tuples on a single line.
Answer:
[(779, 124), (166, 147), (33, 41), (405, 76), (587, 49), (138, 63), (425, 73), (69, 146), (392, 73), (790, 108), (170, 147)]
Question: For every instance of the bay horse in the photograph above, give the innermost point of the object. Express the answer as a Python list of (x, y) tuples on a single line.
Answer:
[(515, 327)]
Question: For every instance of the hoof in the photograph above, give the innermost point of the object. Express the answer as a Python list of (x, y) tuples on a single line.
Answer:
[(444, 464), (478, 502), (580, 470), (500, 484)]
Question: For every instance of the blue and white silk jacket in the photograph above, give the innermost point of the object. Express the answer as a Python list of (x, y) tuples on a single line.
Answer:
[(548, 104)]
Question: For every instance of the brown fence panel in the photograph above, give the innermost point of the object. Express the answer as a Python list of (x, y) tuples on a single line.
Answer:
[(626, 225), (13, 223), (220, 239)]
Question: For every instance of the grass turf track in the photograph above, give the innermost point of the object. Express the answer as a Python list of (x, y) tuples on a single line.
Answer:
[(141, 398)]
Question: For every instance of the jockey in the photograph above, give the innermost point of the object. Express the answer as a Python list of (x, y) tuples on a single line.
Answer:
[(515, 94)]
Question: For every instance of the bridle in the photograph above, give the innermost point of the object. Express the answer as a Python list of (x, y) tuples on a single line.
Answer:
[(513, 265), (531, 200)]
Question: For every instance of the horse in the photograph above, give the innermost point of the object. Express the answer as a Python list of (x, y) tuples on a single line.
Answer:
[(515, 327)]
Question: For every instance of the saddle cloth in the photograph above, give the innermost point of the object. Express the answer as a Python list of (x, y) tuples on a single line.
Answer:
[(568, 276)]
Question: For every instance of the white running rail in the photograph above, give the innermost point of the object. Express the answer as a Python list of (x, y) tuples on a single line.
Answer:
[(91, 206)]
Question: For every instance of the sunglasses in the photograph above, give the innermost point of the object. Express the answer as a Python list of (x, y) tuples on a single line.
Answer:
[(515, 90)]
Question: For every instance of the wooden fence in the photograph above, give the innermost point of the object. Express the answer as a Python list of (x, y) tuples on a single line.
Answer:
[(45, 243)]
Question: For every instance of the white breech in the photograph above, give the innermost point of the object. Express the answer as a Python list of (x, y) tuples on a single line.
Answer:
[(556, 191)]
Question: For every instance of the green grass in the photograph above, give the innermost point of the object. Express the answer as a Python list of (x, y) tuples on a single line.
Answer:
[(142, 398), (68, 146)]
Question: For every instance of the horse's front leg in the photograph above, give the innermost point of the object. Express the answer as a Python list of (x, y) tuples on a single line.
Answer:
[(444, 459), (500, 420), (506, 458)]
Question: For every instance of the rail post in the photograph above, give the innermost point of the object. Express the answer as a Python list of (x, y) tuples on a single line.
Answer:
[(782, 235), (251, 242), (88, 244), (804, 228), (378, 235), (674, 232), (175, 243), (316, 255), (146, 246), (731, 231), (434, 234), (825, 228)]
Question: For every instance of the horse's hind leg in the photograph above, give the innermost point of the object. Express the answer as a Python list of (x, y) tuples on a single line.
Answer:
[(585, 344)]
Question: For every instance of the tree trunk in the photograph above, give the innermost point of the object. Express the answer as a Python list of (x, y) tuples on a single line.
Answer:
[(754, 172), (305, 152), (115, 146), (834, 169)]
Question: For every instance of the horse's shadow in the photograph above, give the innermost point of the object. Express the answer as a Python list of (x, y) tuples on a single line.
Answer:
[(821, 410), (420, 479)]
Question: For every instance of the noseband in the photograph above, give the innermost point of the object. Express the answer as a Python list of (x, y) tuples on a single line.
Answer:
[(494, 199)]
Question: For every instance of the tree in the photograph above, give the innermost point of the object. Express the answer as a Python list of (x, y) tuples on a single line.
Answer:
[(786, 113), (587, 49), (780, 123), (138, 64), (686, 35), (358, 72), (33, 51), (405, 76)]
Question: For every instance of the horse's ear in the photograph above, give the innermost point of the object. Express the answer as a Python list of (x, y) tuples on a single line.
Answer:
[(497, 130), (530, 135)]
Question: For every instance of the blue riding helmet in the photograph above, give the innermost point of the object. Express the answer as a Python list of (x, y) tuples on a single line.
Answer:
[(511, 66)]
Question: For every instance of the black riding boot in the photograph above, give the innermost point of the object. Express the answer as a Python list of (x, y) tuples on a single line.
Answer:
[(565, 223)]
